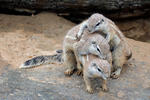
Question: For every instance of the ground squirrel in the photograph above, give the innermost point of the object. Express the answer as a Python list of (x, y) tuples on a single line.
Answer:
[(94, 67), (119, 46)]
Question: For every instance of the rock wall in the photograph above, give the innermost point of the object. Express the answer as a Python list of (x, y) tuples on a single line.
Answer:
[(113, 8)]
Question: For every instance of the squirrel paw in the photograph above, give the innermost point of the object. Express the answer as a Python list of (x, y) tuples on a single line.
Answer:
[(79, 72), (78, 37), (89, 90), (114, 75), (105, 89), (68, 72)]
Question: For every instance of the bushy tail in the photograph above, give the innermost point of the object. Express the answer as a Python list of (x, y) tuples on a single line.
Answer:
[(40, 60)]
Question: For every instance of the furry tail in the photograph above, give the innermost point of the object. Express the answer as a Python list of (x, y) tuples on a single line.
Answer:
[(40, 60)]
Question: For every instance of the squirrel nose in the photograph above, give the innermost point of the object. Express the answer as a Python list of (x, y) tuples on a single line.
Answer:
[(108, 75), (89, 30), (105, 78)]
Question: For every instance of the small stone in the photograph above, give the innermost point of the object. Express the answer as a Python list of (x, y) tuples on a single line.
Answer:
[(11, 94), (39, 95), (120, 94), (101, 93)]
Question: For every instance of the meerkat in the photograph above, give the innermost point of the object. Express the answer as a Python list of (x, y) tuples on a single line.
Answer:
[(87, 45), (117, 41), (94, 67)]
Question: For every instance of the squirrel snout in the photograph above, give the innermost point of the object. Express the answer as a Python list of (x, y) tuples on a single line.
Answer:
[(90, 30), (105, 77)]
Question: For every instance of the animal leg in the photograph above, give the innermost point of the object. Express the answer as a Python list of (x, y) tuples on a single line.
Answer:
[(119, 59), (104, 86), (88, 84), (70, 62)]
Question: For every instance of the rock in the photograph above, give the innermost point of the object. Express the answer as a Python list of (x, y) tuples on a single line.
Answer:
[(120, 94), (113, 8)]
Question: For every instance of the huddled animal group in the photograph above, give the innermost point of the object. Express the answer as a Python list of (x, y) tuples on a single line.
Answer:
[(95, 48)]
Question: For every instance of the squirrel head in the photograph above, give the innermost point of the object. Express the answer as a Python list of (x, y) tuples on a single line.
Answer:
[(96, 22), (100, 68)]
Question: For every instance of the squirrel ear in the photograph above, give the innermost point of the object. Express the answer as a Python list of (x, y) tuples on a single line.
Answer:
[(81, 30), (102, 20), (93, 64), (93, 42), (85, 24)]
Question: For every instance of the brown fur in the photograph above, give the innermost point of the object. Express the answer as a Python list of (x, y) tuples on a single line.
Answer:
[(68, 52)]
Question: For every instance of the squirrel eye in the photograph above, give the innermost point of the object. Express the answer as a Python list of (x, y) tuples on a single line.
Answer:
[(102, 20), (97, 24), (99, 70), (93, 42), (86, 26), (98, 50)]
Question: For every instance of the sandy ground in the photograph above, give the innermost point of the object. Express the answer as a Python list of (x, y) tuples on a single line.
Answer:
[(24, 37)]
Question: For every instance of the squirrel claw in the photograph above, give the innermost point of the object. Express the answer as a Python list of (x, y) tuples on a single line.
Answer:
[(114, 75), (105, 89), (68, 72), (89, 90), (79, 72)]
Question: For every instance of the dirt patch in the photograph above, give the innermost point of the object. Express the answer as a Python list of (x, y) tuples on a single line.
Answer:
[(23, 37)]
